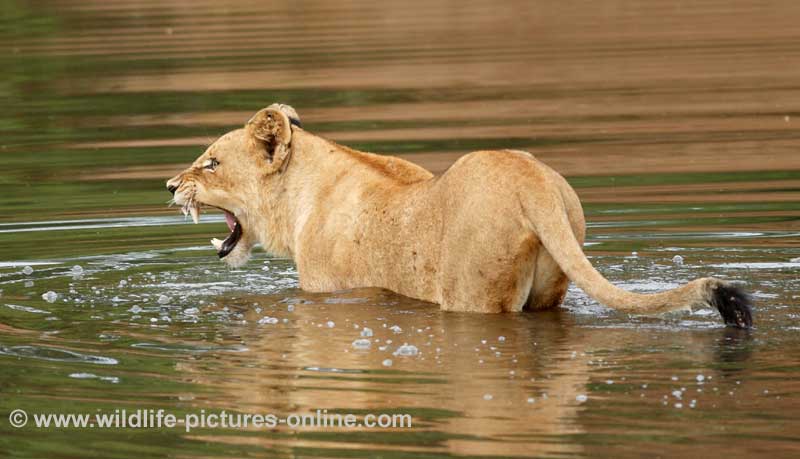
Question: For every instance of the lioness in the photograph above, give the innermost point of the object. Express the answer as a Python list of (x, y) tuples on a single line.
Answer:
[(498, 231)]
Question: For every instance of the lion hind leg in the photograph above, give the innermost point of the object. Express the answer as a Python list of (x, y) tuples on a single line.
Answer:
[(550, 284), (501, 284)]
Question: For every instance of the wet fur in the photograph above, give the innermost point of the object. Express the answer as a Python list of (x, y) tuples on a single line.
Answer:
[(734, 305)]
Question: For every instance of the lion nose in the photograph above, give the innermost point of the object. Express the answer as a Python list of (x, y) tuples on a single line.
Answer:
[(172, 185)]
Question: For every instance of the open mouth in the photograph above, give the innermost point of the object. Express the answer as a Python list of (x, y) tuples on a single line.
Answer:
[(226, 246)]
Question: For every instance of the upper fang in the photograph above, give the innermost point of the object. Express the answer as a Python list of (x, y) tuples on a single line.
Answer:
[(195, 213)]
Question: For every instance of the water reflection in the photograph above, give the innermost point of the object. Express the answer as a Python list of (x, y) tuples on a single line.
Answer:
[(733, 349), (473, 392)]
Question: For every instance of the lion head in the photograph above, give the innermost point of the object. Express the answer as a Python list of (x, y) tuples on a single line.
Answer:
[(231, 176)]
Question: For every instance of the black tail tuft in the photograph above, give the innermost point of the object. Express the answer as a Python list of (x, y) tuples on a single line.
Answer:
[(733, 304)]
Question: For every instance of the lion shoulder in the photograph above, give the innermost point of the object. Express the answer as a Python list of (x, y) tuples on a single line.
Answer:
[(388, 166)]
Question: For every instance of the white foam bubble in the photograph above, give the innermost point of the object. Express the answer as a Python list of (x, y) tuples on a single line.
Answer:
[(362, 344), (50, 296), (406, 350)]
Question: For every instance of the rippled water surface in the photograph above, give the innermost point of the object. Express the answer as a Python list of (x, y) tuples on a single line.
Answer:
[(678, 123)]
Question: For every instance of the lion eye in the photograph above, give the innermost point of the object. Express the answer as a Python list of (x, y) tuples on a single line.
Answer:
[(211, 164)]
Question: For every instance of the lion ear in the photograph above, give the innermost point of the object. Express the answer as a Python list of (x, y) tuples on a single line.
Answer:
[(272, 131)]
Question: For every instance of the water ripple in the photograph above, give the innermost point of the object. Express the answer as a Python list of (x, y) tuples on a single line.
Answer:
[(55, 355)]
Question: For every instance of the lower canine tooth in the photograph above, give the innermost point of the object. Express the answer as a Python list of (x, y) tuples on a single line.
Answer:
[(195, 214), (217, 244)]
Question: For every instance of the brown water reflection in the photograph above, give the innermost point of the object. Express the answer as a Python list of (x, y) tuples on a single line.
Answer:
[(677, 123), (477, 394)]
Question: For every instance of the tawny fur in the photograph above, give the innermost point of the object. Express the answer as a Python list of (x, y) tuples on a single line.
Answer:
[(498, 231)]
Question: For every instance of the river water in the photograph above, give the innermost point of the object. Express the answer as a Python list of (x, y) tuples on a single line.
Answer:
[(678, 123)]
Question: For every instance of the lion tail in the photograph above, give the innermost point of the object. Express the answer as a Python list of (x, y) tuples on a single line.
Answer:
[(548, 216)]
